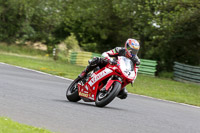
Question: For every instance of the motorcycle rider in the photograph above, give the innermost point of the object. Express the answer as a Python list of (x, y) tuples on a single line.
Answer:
[(130, 51)]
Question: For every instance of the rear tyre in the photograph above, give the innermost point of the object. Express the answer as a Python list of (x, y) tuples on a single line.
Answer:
[(103, 99), (72, 91)]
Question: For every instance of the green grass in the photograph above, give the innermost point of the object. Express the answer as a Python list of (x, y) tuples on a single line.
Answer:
[(20, 49), (166, 75), (43, 64), (9, 126), (167, 89)]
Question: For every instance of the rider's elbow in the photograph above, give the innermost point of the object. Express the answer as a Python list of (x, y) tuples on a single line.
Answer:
[(105, 54)]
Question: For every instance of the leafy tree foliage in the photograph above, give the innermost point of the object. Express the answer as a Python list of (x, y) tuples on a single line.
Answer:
[(29, 20), (168, 30)]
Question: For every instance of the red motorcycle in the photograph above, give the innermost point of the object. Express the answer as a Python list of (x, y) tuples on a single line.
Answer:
[(103, 85)]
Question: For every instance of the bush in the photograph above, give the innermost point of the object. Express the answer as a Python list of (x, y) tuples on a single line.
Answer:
[(90, 47), (72, 43)]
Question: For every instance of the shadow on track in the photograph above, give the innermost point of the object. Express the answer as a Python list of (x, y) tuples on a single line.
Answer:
[(88, 104)]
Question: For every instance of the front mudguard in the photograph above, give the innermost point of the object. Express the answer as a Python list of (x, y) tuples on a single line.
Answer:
[(110, 82)]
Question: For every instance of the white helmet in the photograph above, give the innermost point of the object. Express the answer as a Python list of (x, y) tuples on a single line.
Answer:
[(132, 47)]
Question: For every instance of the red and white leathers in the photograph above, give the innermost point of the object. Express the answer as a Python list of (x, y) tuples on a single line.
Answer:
[(102, 62), (120, 51)]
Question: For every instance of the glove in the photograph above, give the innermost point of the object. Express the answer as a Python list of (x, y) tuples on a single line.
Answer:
[(94, 61), (135, 60), (110, 60)]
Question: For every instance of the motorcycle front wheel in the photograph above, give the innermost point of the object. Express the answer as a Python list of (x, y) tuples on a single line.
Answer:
[(104, 98), (72, 91)]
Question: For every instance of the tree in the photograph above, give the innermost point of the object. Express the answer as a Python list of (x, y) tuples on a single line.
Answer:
[(178, 34), (11, 19), (166, 29), (29, 19)]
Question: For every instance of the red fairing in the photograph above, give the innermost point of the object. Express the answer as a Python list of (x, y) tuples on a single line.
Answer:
[(89, 90), (104, 78), (110, 82)]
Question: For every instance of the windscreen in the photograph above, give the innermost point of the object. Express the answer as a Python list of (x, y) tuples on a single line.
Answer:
[(126, 66)]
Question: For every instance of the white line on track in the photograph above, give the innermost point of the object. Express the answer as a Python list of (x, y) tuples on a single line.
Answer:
[(129, 93)]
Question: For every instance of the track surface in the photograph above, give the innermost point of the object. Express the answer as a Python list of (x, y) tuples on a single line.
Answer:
[(39, 100)]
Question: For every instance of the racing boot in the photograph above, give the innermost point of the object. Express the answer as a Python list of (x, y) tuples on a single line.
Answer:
[(123, 94), (83, 74), (92, 64)]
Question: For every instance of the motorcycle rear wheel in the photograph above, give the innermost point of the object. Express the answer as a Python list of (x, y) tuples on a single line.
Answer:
[(101, 102), (72, 91)]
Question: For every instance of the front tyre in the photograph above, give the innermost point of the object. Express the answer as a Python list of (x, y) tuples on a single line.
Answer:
[(103, 98), (72, 91)]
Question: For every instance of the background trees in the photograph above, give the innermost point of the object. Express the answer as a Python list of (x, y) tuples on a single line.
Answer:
[(168, 30)]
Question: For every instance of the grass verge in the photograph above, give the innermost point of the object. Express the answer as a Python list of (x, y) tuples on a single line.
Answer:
[(43, 64), (21, 49), (167, 89), (9, 126), (144, 85)]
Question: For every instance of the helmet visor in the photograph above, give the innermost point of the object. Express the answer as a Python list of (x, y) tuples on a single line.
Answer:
[(131, 50)]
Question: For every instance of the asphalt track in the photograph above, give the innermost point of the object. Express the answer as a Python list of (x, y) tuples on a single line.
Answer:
[(39, 100)]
